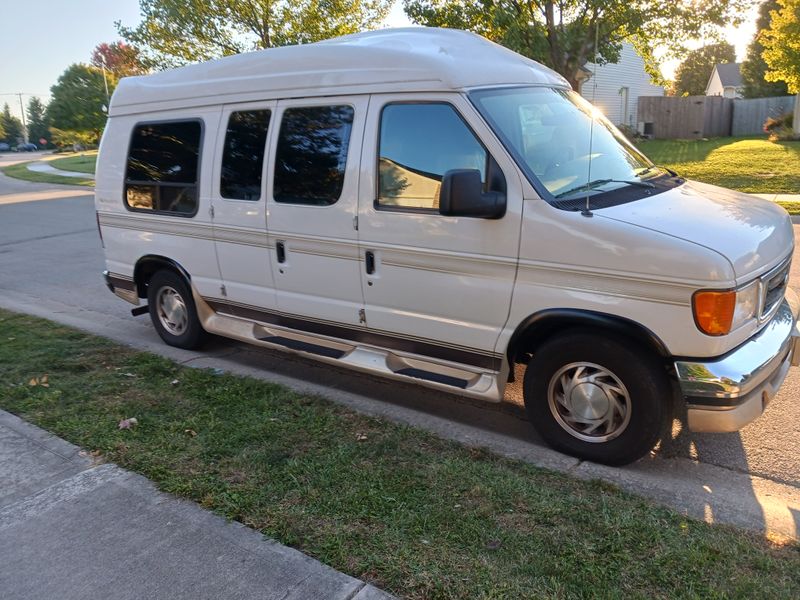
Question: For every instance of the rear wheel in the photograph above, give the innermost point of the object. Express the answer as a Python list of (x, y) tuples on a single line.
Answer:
[(172, 310), (597, 397)]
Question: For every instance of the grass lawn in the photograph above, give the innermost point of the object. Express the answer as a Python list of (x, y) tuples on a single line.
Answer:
[(82, 163), (21, 171), (753, 165), (416, 515)]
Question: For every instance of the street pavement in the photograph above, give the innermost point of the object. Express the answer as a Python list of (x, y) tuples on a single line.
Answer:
[(50, 265)]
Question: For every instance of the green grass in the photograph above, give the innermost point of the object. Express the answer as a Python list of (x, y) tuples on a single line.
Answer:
[(21, 171), (82, 163), (793, 208), (416, 515), (753, 165)]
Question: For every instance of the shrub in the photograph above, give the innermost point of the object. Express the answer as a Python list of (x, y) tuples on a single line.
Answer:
[(780, 128)]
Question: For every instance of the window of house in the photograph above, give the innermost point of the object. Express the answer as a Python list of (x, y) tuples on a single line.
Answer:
[(419, 143), (243, 155), (163, 167), (311, 156)]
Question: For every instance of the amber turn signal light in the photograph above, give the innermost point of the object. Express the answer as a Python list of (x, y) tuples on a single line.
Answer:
[(713, 311)]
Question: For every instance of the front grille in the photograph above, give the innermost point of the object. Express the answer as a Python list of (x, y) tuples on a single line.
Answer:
[(773, 286)]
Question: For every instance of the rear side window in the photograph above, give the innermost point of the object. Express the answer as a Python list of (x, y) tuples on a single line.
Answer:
[(419, 143), (243, 155), (163, 167), (312, 154)]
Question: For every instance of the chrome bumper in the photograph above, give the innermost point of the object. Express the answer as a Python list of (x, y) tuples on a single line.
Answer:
[(727, 393)]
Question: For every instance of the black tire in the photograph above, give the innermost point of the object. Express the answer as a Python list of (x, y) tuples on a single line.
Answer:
[(185, 332), (636, 414)]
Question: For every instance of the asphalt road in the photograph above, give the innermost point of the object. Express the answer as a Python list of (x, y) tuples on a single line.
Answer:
[(49, 250)]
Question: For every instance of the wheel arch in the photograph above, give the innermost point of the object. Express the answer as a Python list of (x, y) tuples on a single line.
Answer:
[(148, 265), (536, 329)]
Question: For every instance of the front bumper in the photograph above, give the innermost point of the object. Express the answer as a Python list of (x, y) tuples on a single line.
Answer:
[(727, 393)]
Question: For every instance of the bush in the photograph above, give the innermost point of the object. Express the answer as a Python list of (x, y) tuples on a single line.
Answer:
[(73, 140), (780, 128)]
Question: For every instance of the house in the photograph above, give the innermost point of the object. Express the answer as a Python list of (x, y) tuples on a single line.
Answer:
[(726, 81), (615, 87)]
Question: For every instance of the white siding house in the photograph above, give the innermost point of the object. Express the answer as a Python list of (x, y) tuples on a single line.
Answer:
[(619, 86), (726, 80)]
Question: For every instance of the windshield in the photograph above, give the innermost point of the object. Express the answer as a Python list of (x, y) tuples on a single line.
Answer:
[(549, 131)]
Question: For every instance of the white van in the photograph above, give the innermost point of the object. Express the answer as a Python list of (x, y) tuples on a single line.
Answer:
[(428, 206)]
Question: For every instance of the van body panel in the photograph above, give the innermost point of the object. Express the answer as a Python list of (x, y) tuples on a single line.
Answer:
[(320, 277), (443, 278), (240, 226), (129, 235)]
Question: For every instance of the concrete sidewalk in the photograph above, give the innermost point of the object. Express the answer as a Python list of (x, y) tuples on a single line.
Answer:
[(73, 529)]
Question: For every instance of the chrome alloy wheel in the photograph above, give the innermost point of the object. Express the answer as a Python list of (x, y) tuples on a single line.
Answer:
[(589, 402), (171, 311)]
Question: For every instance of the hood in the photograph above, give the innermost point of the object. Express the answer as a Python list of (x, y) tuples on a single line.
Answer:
[(753, 234)]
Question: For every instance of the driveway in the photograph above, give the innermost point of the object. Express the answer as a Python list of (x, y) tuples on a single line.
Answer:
[(51, 263)]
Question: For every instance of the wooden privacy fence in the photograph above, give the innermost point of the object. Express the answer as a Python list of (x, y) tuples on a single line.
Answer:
[(749, 115), (695, 117)]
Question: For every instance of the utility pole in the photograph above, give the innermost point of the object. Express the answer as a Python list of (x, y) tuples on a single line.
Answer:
[(24, 125)]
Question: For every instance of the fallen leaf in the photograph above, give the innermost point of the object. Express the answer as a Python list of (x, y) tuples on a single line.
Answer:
[(361, 437), (191, 432), (43, 381), (128, 423), (33, 381), (493, 544), (174, 382)]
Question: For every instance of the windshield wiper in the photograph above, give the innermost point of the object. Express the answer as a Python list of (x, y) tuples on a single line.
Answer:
[(598, 182), (662, 167)]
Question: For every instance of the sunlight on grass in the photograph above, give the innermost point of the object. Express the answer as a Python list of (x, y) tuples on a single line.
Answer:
[(753, 165)]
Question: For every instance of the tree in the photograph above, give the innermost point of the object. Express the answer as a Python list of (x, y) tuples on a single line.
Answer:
[(37, 121), (781, 47), (11, 125), (754, 67), (176, 32), (78, 98), (561, 33), (121, 59), (692, 75)]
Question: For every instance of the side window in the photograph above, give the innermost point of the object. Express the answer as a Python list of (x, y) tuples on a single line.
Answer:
[(312, 154), (243, 155), (163, 167), (418, 144)]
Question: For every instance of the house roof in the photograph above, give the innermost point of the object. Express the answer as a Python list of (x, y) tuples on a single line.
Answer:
[(388, 60), (730, 75)]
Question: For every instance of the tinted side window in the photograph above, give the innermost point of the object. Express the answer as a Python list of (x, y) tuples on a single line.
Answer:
[(163, 166), (243, 155), (419, 143), (312, 154)]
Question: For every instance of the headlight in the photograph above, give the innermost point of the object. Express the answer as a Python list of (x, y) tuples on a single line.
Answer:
[(720, 312)]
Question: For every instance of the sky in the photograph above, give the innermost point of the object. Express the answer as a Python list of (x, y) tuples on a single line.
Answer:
[(48, 35)]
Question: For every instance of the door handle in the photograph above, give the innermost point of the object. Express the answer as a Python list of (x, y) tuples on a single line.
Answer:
[(280, 248), (370, 259)]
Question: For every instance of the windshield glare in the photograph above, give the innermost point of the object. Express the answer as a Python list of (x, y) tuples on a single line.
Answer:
[(550, 130)]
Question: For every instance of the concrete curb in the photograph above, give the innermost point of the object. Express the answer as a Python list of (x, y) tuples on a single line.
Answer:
[(698, 490)]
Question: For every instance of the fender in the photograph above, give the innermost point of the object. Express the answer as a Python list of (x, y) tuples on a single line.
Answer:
[(149, 264), (540, 326)]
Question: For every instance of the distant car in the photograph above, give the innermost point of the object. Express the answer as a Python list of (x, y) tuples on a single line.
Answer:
[(4, 147), (27, 148)]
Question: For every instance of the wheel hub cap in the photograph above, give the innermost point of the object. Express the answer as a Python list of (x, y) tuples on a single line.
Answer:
[(172, 313), (589, 402)]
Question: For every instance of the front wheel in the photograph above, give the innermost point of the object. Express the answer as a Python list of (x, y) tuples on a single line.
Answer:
[(597, 397), (173, 312)]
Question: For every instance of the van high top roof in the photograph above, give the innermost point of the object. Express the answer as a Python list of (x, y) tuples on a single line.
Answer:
[(388, 60)]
